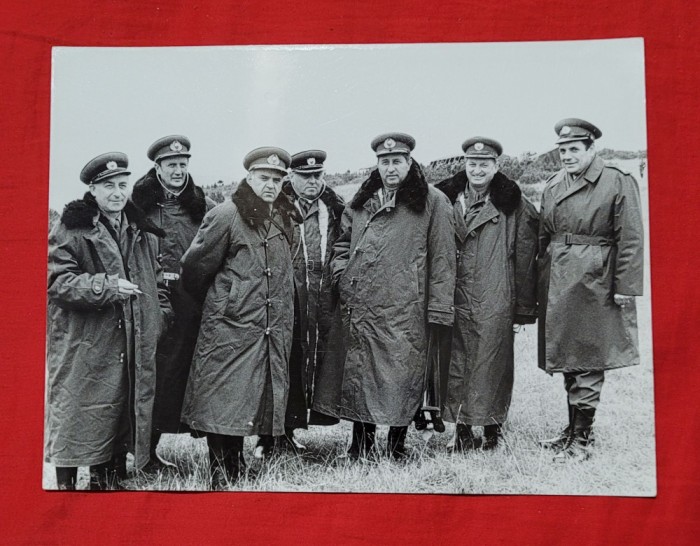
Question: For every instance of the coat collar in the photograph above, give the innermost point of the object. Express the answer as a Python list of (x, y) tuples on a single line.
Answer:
[(591, 176), (413, 192), (330, 198), (255, 211), (148, 193), (84, 214), (504, 194)]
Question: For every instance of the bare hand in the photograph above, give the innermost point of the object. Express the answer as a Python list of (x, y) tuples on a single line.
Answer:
[(623, 300), (127, 288), (517, 328)]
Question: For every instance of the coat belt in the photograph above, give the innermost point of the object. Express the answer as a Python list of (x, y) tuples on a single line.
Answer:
[(575, 239)]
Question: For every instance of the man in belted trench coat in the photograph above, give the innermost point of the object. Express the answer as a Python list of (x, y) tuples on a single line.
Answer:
[(590, 270), (107, 307), (168, 195)]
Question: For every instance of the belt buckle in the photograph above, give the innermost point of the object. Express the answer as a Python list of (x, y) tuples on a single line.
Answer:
[(310, 265), (569, 239)]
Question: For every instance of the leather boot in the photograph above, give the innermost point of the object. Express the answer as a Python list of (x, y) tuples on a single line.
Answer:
[(66, 476), (362, 439), (466, 441), (395, 442), (492, 434), (580, 443), (558, 442)]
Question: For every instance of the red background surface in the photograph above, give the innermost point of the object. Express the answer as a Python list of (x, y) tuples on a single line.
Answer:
[(28, 30)]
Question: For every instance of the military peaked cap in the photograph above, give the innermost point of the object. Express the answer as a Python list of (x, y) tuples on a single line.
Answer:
[(310, 161), (103, 167), (571, 129), (169, 146), (393, 143), (482, 147), (267, 157)]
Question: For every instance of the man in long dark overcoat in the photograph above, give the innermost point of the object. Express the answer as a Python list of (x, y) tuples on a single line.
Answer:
[(240, 264), (591, 268), (168, 195), (394, 266), (321, 209), (496, 238), (107, 307)]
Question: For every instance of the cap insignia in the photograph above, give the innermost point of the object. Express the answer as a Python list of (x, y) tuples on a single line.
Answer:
[(479, 146), (389, 143), (111, 165), (176, 146), (273, 159), (311, 161), (565, 130)]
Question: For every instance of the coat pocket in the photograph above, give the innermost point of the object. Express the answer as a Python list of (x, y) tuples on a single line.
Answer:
[(236, 296)]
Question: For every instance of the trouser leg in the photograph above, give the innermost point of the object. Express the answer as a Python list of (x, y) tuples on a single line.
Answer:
[(225, 459), (583, 389), (66, 477), (362, 438)]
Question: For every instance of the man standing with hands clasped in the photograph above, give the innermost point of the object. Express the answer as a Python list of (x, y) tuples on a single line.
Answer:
[(107, 308), (591, 268)]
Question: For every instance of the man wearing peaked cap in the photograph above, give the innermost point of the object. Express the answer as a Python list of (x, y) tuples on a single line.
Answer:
[(105, 285), (591, 265), (393, 268), (496, 238), (240, 265), (170, 198), (321, 209)]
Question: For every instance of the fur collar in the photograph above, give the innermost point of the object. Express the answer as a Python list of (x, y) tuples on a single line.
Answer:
[(148, 193), (82, 214), (413, 191), (505, 194), (332, 200), (255, 211)]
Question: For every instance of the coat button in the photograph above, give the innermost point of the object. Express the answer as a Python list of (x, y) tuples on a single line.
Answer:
[(267, 331), (268, 302), (265, 243), (367, 224), (268, 272)]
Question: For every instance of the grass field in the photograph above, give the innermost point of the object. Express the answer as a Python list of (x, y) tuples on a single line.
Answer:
[(623, 462)]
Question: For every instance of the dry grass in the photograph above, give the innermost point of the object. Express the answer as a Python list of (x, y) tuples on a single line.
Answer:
[(623, 462)]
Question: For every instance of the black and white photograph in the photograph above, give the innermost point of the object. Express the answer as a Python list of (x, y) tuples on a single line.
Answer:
[(395, 268)]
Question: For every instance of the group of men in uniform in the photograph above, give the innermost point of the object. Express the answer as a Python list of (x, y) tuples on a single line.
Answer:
[(284, 307)]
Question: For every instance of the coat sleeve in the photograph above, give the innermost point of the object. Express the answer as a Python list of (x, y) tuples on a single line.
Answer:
[(525, 270), (341, 247), (442, 262), (69, 286), (629, 237), (207, 252), (544, 236)]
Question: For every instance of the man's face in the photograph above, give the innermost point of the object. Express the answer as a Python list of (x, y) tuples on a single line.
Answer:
[(307, 185), (480, 172), (575, 157), (111, 195), (173, 171), (266, 183), (393, 168)]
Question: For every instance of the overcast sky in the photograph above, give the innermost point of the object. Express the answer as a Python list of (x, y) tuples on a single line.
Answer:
[(229, 100)]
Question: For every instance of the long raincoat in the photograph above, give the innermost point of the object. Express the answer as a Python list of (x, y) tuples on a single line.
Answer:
[(394, 264), (179, 217), (240, 263), (496, 287), (316, 308), (591, 247), (98, 405)]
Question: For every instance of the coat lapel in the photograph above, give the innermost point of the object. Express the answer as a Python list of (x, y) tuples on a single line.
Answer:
[(487, 213), (591, 176), (460, 225), (107, 250)]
